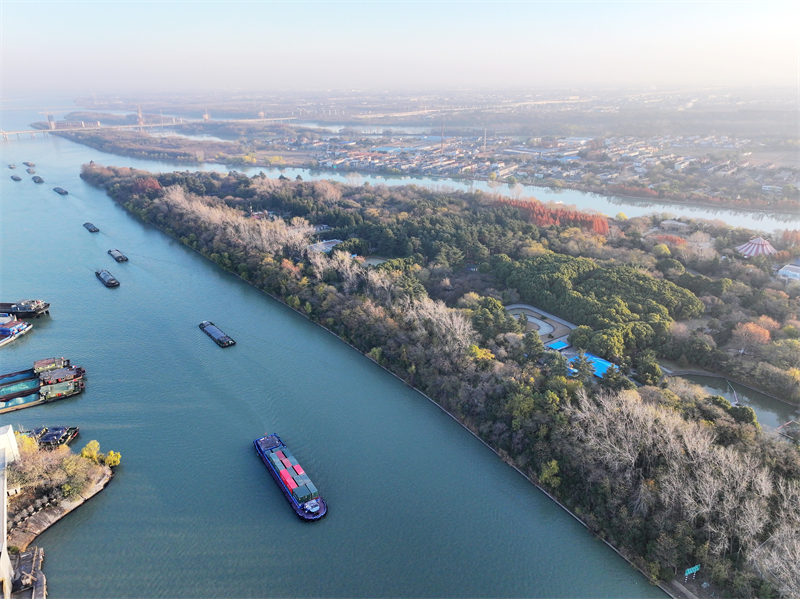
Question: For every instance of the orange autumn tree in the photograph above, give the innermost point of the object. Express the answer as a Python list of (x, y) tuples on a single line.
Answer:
[(748, 336)]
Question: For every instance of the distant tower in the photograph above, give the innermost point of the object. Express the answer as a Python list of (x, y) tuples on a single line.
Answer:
[(484, 141), (206, 116), (140, 120)]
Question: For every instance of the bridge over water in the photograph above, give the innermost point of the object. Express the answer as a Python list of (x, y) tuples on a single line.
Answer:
[(33, 133)]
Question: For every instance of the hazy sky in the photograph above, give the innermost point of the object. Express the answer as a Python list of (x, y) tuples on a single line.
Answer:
[(82, 47)]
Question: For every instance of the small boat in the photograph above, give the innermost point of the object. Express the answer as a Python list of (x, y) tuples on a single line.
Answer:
[(12, 166), (31, 164), (60, 190), (220, 338), (16, 178), (90, 227), (11, 328), (30, 171), (117, 255), (38, 179), (107, 278), (57, 436)]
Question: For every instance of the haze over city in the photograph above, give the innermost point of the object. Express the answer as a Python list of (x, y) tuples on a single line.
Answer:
[(185, 46), (399, 299)]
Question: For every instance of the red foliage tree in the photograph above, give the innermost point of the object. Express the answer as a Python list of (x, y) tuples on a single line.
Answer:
[(543, 216)]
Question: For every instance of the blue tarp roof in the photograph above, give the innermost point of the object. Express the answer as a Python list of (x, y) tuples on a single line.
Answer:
[(599, 364), (557, 345)]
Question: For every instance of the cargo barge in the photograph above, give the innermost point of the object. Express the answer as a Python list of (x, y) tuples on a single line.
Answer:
[(291, 478), (90, 227), (117, 255), (38, 179), (60, 190), (16, 178), (106, 278), (220, 338), (30, 164), (26, 308)]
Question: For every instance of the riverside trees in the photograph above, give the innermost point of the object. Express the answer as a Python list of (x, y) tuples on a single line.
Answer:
[(670, 477)]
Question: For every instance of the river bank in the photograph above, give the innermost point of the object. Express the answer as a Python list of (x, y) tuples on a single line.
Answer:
[(529, 476), (23, 535), (192, 155)]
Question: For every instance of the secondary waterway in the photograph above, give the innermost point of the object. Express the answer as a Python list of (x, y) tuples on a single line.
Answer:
[(418, 506), (18, 115), (771, 412)]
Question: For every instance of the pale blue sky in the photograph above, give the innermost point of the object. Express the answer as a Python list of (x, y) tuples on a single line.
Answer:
[(172, 46)]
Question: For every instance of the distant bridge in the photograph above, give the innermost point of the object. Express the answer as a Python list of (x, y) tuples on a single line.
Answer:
[(8, 135), (45, 132)]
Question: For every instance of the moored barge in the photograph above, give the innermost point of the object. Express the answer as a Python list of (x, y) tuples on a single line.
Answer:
[(16, 177), (26, 308), (30, 164), (213, 331), (291, 478), (31, 387), (60, 190), (38, 179)]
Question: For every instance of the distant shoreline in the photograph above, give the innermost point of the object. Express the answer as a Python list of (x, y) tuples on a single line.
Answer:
[(114, 148)]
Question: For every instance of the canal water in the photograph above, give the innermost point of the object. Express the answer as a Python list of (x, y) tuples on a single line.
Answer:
[(418, 506), (771, 413)]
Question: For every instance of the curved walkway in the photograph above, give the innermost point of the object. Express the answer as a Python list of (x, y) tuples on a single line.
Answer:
[(544, 328), (541, 313)]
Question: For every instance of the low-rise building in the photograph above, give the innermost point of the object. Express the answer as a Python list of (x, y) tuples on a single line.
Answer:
[(790, 272)]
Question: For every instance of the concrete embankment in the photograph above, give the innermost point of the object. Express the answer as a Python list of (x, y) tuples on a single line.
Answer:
[(25, 533)]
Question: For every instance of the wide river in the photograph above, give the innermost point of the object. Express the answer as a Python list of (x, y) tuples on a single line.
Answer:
[(418, 506)]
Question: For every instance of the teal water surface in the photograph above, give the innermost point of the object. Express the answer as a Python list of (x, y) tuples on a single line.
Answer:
[(418, 506)]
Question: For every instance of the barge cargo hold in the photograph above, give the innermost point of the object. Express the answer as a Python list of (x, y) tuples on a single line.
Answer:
[(291, 478), (26, 308), (220, 338)]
